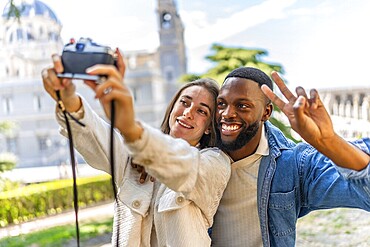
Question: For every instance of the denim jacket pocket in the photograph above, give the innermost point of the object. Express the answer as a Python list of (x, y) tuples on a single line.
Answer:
[(282, 213), (172, 200)]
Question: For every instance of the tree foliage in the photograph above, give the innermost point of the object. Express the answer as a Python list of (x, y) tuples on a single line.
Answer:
[(226, 59), (14, 10), (6, 127), (7, 160)]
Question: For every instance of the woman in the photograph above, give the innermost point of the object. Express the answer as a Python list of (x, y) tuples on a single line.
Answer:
[(178, 208)]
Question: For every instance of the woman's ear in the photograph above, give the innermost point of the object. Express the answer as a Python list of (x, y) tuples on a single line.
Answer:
[(208, 131)]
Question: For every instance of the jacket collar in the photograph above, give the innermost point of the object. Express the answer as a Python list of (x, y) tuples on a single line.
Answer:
[(277, 140)]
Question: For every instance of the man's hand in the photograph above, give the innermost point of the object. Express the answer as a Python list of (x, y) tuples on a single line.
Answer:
[(307, 115), (309, 118)]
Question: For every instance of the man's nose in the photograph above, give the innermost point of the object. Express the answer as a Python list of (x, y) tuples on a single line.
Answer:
[(228, 112)]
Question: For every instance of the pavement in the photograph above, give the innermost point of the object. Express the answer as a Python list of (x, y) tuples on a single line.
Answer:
[(99, 212)]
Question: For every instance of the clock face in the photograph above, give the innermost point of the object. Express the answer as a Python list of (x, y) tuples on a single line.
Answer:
[(167, 17), (166, 20)]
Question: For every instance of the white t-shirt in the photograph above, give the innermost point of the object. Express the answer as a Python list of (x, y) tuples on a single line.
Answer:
[(236, 221)]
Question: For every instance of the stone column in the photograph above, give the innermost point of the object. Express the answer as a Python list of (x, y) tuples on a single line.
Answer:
[(348, 109), (356, 100), (365, 109), (341, 108)]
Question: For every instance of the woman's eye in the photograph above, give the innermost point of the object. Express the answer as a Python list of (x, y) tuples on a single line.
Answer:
[(220, 104), (183, 102), (202, 112)]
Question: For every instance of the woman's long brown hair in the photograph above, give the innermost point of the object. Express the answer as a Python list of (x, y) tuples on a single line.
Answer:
[(207, 140)]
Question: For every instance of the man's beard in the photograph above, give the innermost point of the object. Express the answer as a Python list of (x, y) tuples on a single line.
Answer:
[(241, 140)]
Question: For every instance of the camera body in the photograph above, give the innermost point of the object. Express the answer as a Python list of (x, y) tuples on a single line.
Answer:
[(78, 56)]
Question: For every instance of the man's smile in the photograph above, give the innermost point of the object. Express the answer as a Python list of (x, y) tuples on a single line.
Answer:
[(230, 128)]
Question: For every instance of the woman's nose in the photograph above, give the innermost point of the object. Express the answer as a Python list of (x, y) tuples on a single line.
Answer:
[(188, 112)]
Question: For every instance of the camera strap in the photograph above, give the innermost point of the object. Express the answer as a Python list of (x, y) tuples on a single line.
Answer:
[(73, 162), (111, 153)]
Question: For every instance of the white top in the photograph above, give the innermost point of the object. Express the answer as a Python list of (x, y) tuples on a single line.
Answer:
[(236, 221), (183, 209)]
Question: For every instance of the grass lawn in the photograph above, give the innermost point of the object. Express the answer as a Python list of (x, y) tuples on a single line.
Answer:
[(57, 236)]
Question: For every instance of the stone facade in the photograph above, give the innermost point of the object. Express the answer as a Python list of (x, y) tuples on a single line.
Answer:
[(349, 109), (26, 48)]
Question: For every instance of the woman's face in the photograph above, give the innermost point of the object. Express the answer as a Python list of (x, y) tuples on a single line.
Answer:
[(191, 116)]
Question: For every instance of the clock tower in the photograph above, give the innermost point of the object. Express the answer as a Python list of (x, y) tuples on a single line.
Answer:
[(171, 50)]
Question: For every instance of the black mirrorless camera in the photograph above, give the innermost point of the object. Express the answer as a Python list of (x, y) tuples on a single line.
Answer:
[(78, 56)]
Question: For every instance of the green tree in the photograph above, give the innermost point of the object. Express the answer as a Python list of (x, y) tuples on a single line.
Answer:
[(226, 59), (14, 10), (7, 160), (6, 127)]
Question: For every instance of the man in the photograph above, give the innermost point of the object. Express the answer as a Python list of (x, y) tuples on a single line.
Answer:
[(275, 181)]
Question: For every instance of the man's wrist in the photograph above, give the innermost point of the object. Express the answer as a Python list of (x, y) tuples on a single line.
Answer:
[(344, 154)]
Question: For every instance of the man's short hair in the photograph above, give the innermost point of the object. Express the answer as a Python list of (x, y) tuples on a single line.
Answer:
[(253, 74)]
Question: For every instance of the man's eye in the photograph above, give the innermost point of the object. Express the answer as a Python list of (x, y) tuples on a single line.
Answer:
[(243, 106), (220, 104)]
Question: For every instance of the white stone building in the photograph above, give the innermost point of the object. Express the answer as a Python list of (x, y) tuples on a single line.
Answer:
[(349, 109), (26, 48)]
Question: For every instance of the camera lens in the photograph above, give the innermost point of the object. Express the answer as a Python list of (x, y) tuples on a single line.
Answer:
[(80, 47)]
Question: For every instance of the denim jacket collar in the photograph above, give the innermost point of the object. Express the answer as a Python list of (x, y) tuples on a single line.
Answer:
[(277, 141)]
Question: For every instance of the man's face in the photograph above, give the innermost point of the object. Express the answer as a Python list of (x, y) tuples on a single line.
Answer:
[(241, 110)]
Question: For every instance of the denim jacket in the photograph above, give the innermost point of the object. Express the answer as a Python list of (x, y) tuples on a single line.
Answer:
[(296, 179)]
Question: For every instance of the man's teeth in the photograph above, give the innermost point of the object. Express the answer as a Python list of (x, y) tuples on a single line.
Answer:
[(184, 125), (230, 127)]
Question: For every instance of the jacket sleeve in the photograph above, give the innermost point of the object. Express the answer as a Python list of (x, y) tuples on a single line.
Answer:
[(201, 175), (364, 175), (93, 141), (328, 185)]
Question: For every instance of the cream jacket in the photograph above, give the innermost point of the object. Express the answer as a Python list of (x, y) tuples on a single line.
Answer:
[(177, 210)]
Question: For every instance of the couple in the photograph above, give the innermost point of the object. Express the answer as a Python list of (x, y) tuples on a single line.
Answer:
[(252, 196)]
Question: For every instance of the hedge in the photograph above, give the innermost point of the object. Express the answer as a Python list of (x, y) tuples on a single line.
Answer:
[(39, 200)]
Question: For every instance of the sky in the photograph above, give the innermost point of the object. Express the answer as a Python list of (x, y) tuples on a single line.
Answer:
[(319, 43)]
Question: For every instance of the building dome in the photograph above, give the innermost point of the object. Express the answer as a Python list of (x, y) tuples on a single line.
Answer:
[(32, 8)]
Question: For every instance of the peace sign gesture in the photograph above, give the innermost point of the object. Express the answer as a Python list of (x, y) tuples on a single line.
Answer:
[(309, 118), (307, 115)]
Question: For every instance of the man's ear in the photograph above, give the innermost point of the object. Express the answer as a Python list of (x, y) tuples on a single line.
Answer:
[(268, 111)]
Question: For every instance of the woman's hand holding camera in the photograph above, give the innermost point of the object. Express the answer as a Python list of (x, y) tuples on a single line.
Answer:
[(113, 88), (71, 100)]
